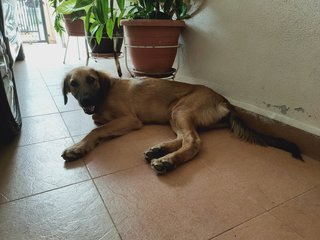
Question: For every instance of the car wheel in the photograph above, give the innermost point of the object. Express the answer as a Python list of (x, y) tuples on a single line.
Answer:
[(10, 116)]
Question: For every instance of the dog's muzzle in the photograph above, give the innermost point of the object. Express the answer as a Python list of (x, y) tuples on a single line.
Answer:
[(88, 104), (89, 109)]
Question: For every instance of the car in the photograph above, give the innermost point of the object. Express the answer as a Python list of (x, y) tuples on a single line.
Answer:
[(11, 50)]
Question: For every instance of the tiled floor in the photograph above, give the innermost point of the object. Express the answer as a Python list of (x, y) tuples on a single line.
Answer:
[(232, 190)]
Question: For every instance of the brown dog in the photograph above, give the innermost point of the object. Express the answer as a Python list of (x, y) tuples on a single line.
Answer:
[(123, 105)]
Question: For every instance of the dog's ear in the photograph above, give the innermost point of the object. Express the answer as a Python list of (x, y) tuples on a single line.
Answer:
[(65, 87), (105, 81)]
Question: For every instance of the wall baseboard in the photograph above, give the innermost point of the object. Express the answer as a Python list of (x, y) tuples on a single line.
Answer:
[(307, 142)]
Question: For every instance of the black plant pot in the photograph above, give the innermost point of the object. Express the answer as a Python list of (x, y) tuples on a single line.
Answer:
[(107, 45)]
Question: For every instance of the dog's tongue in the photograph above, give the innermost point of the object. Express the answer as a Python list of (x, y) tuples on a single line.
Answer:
[(89, 109)]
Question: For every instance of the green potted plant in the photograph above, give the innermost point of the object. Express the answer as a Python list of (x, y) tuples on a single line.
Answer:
[(101, 22), (64, 13), (103, 26), (152, 31)]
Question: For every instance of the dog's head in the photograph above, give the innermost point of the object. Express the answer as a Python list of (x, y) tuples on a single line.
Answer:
[(88, 86)]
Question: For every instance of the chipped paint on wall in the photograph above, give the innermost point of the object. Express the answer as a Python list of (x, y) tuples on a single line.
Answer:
[(258, 51), (283, 108), (299, 109)]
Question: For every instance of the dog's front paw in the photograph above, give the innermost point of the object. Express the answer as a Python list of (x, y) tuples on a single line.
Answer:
[(162, 165), (154, 153), (74, 152)]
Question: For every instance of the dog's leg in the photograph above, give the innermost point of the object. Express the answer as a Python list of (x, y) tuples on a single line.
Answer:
[(113, 128), (162, 149), (191, 142)]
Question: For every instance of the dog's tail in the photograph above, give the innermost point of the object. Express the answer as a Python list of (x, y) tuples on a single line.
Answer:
[(241, 130)]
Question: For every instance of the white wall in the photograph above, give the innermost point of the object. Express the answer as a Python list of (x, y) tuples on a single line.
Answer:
[(263, 55)]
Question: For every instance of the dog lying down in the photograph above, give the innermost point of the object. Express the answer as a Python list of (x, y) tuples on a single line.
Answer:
[(122, 105)]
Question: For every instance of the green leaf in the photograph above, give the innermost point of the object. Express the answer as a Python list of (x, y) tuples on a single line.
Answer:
[(110, 27), (121, 4), (105, 10), (57, 25), (167, 6), (99, 33), (82, 3), (87, 19), (94, 27), (100, 10), (66, 7)]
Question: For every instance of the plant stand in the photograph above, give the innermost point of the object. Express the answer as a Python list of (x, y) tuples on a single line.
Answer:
[(166, 75), (106, 56), (87, 50)]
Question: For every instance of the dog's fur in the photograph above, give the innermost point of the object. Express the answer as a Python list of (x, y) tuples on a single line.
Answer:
[(122, 105)]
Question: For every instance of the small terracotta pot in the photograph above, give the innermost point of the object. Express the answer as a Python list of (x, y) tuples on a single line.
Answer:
[(74, 28), (143, 38)]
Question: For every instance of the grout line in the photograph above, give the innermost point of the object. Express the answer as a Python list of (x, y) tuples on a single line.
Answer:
[(245, 221), (46, 191), (292, 198), (105, 205), (283, 203), (40, 115), (46, 141), (117, 171), (52, 113), (268, 211)]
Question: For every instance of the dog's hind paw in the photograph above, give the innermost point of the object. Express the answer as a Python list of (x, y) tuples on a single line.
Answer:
[(154, 153), (73, 153), (162, 165)]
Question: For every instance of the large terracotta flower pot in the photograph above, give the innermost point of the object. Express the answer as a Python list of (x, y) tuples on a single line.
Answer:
[(152, 44)]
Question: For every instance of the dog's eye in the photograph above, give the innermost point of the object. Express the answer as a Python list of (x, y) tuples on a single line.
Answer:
[(90, 80), (74, 83)]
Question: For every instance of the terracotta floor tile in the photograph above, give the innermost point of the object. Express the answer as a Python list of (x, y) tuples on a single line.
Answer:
[(224, 192), (42, 128), (264, 227), (190, 203), (71, 105), (31, 88), (36, 168), (125, 151), (269, 176), (25, 70), (302, 214), (78, 122), (37, 105), (74, 212), (56, 92), (54, 76)]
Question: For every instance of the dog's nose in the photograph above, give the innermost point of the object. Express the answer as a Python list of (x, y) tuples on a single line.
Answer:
[(86, 101)]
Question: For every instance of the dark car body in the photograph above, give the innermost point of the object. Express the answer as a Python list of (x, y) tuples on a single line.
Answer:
[(10, 51), (11, 29)]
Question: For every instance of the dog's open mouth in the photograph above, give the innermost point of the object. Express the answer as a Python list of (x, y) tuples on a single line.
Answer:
[(89, 109)]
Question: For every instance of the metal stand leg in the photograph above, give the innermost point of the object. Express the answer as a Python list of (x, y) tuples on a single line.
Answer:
[(126, 60), (87, 50), (65, 53), (115, 55), (78, 48)]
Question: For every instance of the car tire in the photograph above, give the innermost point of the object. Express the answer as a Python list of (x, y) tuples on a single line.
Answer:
[(20, 56), (10, 117)]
